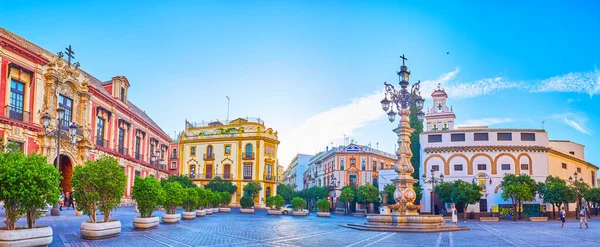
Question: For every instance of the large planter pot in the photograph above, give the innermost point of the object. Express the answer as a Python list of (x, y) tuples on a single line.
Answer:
[(538, 219), (208, 211), (274, 212), (215, 210), (323, 214), (78, 213), (189, 215), (100, 230), (246, 210), (42, 212), (225, 210), (41, 236), (145, 223), (171, 218), (489, 219), (200, 213), (299, 213)]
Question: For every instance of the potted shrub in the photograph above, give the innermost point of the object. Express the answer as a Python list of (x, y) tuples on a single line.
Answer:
[(27, 184), (298, 204), (174, 196), (275, 203), (246, 203), (208, 198), (99, 185), (323, 205), (201, 202), (225, 200), (216, 201), (148, 194), (190, 203), (253, 189)]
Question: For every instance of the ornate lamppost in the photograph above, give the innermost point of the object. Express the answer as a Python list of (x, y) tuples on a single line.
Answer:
[(432, 180), (574, 183), (58, 133), (402, 99), (156, 162)]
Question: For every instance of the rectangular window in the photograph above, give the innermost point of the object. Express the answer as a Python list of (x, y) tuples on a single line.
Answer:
[(506, 167), (352, 161), (173, 165), (15, 110), (527, 136), (121, 147), (269, 174), (100, 132), (504, 136), (593, 178), (524, 167), (564, 165), (457, 137), (374, 165), (458, 167), (67, 104), (578, 169), (481, 167), (123, 95), (247, 171), (435, 168), (434, 138), (16, 146), (138, 173), (481, 137), (192, 151), (227, 149), (137, 148), (572, 153)]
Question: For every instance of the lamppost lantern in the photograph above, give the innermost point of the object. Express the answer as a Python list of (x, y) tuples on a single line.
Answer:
[(73, 129), (442, 178), (575, 175), (391, 115), (419, 102), (420, 116), (385, 104), (46, 120), (570, 179), (61, 113), (581, 180), (152, 158)]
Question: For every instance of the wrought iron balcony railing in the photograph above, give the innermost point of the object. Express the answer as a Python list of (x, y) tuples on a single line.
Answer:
[(138, 156), (209, 156), (248, 156), (123, 150), (101, 142), (16, 113)]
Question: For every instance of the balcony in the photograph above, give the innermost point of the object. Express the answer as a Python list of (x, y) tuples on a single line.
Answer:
[(173, 156), (268, 177), (138, 156), (226, 176), (123, 150), (158, 165), (204, 176), (16, 114), (101, 142), (209, 156), (247, 156)]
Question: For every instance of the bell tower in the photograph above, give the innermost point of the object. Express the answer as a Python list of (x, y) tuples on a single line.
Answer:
[(440, 116)]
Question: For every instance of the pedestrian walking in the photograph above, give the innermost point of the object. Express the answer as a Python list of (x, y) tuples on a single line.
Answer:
[(561, 215), (62, 199), (71, 201), (454, 215), (583, 217)]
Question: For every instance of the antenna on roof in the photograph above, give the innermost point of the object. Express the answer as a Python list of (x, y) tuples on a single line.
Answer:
[(543, 124)]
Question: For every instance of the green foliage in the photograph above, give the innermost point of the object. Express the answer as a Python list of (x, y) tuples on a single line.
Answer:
[(247, 202), (278, 202), (27, 184), (208, 198), (444, 191), (183, 180), (348, 194), (252, 189), (389, 191), (148, 194), (298, 204), (581, 189), (518, 188), (225, 198), (201, 197), (175, 195), (323, 205), (556, 192), (99, 184), (418, 192), (215, 200), (219, 185), (415, 145), (367, 194), (458, 192), (191, 198), (285, 191), (593, 196)]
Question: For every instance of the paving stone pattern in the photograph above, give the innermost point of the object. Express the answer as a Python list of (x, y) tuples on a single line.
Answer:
[(260, 229)]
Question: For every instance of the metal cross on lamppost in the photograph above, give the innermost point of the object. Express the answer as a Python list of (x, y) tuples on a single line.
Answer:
[(432, 180), (58, 133), (403, 99)]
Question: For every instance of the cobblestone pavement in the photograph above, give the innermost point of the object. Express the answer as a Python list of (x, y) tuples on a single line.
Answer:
[(260, 229)]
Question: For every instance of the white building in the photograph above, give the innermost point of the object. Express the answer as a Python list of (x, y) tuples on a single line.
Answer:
[(293, 175)]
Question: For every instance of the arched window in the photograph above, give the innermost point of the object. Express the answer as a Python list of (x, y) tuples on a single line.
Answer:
[(209, 150), (248, 150), (174, 153), (192, 171), (268, 192)]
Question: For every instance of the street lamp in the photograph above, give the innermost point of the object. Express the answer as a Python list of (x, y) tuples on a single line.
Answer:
[(58, 133), (432, 180), (402, 99), (573, 183)]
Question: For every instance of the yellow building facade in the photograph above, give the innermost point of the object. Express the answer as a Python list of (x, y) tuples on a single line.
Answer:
[(241, 151)]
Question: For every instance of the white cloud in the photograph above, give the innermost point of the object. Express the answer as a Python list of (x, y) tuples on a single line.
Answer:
[(577, 82), (576, 126), (486, 121), (576, 121)]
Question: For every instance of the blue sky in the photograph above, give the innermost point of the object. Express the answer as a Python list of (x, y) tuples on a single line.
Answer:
[(313, 70)]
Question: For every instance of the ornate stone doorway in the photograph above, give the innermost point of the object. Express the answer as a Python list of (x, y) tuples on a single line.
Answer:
[(66, 171)]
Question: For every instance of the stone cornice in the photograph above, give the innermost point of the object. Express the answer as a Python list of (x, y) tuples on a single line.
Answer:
[(570, 157), (22, 47), (490, 148), (31, 127)]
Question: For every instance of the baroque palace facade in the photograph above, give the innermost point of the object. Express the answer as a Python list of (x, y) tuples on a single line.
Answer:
[(35, 82), (482, 155), (241, 151)]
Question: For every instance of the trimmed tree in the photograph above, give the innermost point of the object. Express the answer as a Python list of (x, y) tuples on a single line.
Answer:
[(367, 194), (555, 191), (285, 191), (415, 144), (27, 184), (519, 189), (347, 195), (465, 193), (201, 198), (215, 200), (208, 198), (389, 191), (191, 198), (219, 185), (593, 197), (323, 205), (225, 198), (183, 180), (247, 202), (298, 204), (99, 184), (252, 189), (148, 194), (175, 195)]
